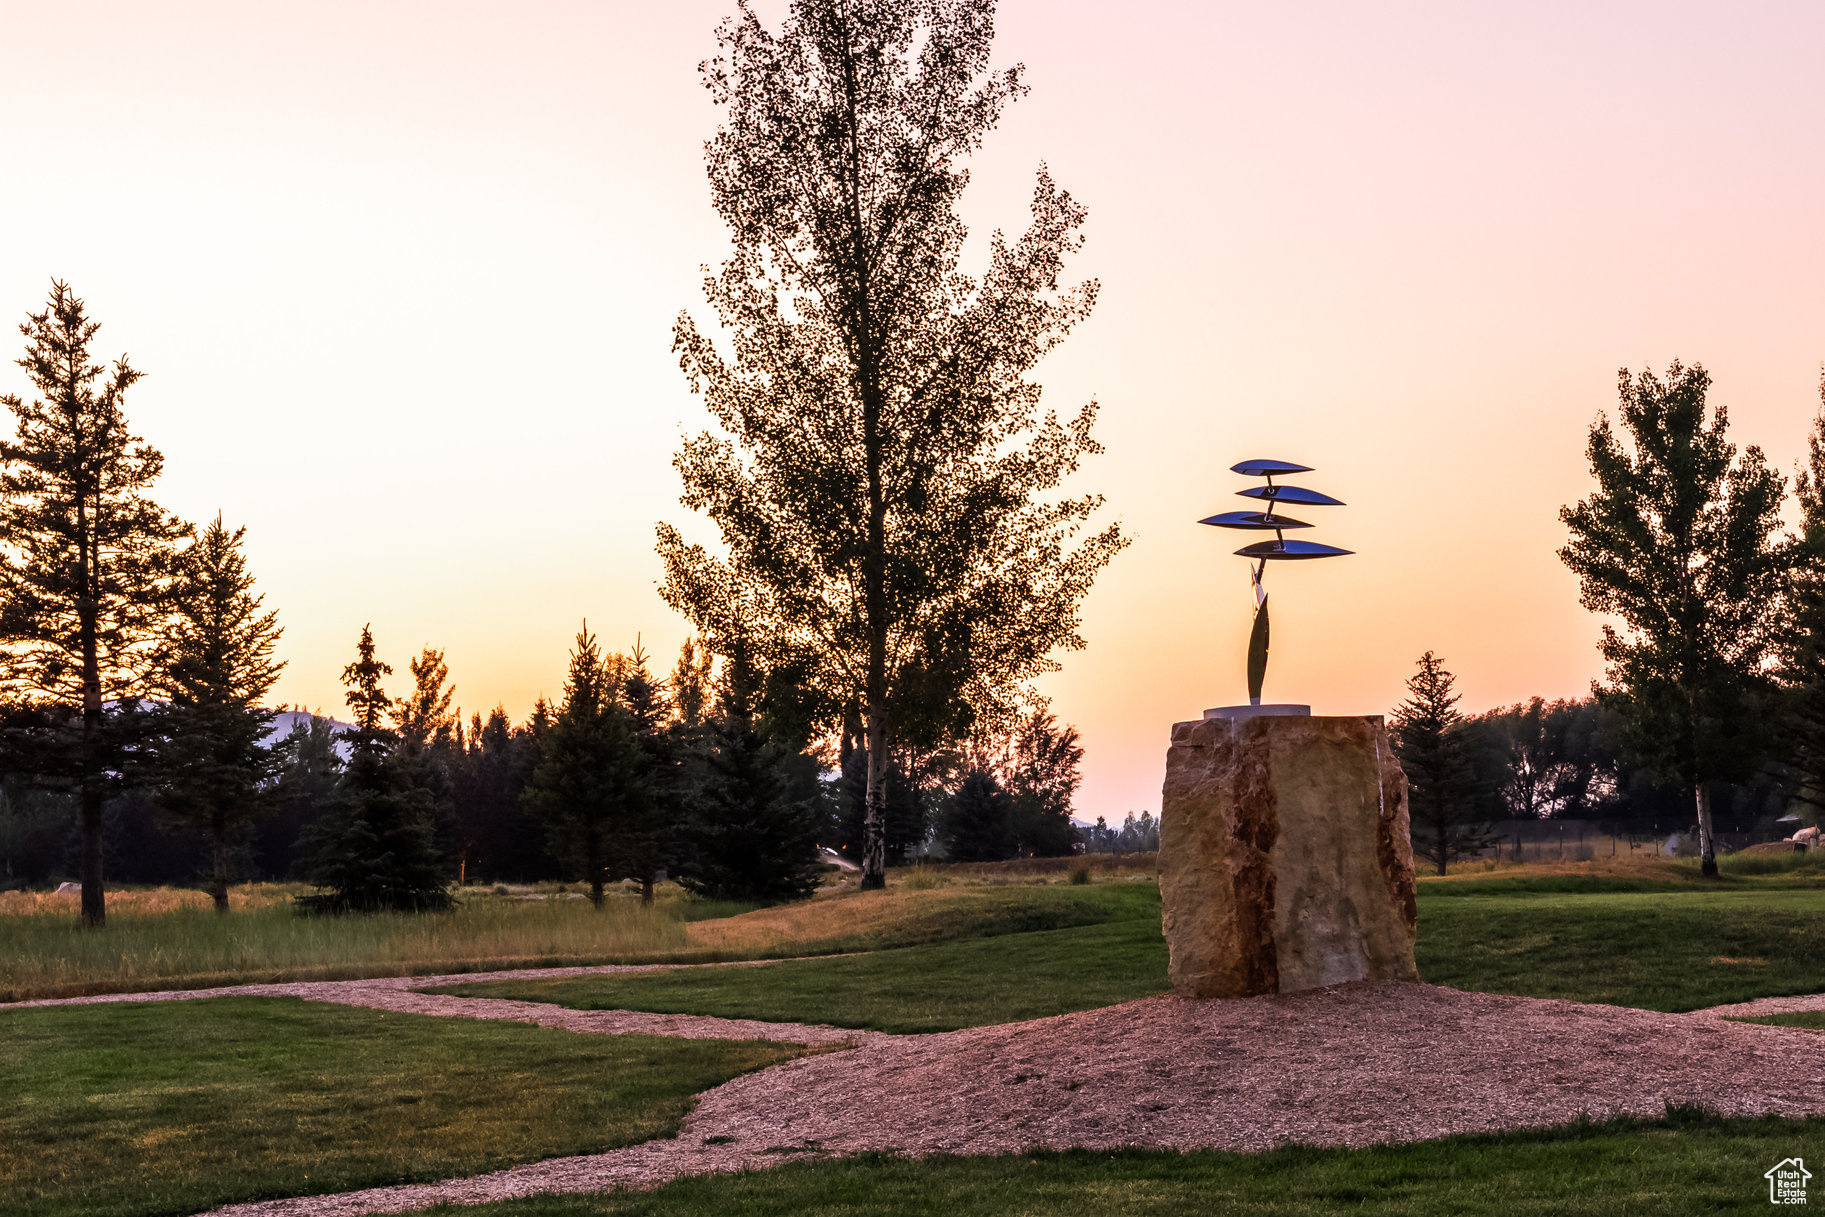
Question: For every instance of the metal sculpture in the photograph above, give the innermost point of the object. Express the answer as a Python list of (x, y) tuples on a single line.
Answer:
[(1278, 550)]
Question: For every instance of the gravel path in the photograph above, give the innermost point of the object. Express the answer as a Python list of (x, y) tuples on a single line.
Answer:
[(401, 993), (1348, 1065), (1765, 1005)]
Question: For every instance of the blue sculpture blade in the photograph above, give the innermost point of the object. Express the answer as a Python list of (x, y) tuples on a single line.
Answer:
[(1290, 494), (1290, 551), (1253, 519), (1264, 469)]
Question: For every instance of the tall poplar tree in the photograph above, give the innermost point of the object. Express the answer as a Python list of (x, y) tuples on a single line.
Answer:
[(879, 484), (1803, 662), (211, 762), (1679, 541), (85, 555)]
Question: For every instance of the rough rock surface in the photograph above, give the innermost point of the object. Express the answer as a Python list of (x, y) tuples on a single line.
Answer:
[(1285, 862)]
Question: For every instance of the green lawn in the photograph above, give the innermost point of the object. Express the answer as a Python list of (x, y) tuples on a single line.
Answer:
[(180, 1106), (1672, 949), (1688, 1164), (967, 982), (1812, 1020), (1665, 950)]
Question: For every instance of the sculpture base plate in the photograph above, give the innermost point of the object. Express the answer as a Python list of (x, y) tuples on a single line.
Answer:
[(1241, 714)]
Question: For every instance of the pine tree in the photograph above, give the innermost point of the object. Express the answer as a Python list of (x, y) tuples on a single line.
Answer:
[(311, 765), (589, 784), (1041, 775), (373, 849), (211, 764), (749, 834), (1431, 742), (427, 730), (85, 558), (643, 841), (976, 823)]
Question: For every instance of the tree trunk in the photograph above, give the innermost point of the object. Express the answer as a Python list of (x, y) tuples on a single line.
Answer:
[(646, 888), (218, 832), (595, 889), (94, 903), (874, 821), (1707, 844)]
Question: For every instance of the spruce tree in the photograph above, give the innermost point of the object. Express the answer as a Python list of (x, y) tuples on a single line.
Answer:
[(1434, 749), (589, 784), (373, 849), (1041, 778), (1679, 543), (85, 559), (311, 765), (643, 840), (210, 760), (749, 834), (427, 731), (977, 822)]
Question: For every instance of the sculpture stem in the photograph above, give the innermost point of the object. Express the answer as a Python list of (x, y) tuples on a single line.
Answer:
[(1257, 654)]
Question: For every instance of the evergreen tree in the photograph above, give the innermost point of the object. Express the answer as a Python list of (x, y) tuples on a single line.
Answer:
[(644, 842), (1041, 778), (1430, 740), (373, 849), (210, 761), (85, 559), (1678, 541), (427, 730), (750, 833), (310, 766), (977, 822), (881, 484), (497, 838), (588, 786)]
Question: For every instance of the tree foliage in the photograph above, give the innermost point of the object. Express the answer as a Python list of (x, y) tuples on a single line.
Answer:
[(977, 823), (752, 826), (210, 762), (1431, 740), (85, 556), (1803, 666), (880, 483), (374, 850), (591, 785), (1679, 543)]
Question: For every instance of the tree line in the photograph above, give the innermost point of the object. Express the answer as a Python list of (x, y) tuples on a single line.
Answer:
[(894, 562), (139, 660), (1713, 701)]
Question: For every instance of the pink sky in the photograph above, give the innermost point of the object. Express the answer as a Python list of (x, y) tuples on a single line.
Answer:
[(403, 278)]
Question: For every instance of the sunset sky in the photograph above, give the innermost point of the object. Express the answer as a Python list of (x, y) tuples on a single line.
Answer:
[(403, 279)]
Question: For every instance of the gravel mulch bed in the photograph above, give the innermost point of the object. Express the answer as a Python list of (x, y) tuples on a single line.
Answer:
[(1349, 1065)]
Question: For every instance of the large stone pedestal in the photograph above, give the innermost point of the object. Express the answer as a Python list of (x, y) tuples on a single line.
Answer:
[(1284, 857)]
